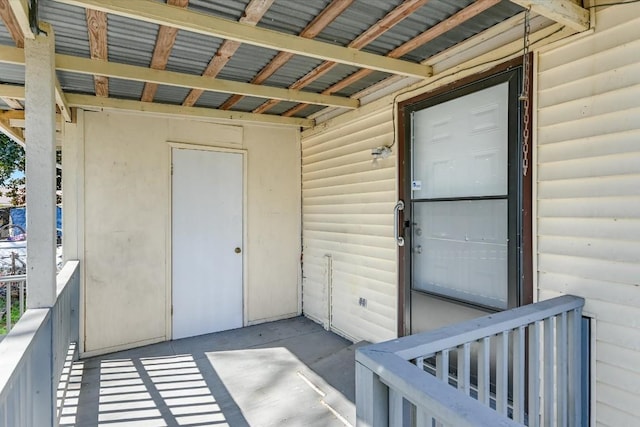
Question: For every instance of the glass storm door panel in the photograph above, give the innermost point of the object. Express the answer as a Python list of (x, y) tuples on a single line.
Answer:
[(459, 197)]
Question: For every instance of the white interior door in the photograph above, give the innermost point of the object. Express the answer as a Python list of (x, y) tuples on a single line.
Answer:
[(207, 215)]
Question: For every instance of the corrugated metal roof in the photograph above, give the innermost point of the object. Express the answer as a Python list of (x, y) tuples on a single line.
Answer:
[(211, 99), (5, 37), (192, 52), (70, 27), (171, 94), (123, 47), (473, 26), (13, 74), (291, 16), (361, 15), (127, 89), (133, 42)]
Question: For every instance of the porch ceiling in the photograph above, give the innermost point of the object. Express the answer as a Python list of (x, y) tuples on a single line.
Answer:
[(282, 59)]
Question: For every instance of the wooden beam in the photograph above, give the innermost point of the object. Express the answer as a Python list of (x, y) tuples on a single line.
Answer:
[(165, 40), (177, 111), (12, 103), (383, 25), (320, 22), (565, 12), (440, 28), (91, 102), (12, 91), (97, 29), (131, 72), (10, 21), (21, 124), (61, 102), (151, 11), (15, 134), (252, 15), (20, 10)]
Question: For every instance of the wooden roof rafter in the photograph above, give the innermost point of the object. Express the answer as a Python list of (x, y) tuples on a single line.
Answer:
[(253, 13), (442, 27), (161, 14), (98, 46), (165, 40), (393, 18), (320, 22)]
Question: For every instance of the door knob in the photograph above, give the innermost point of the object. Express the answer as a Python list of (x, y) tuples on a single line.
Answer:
[(237, 250)]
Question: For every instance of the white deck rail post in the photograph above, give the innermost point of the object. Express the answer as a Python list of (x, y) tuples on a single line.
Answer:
[(40, 116), (372, 399), (40, 119)]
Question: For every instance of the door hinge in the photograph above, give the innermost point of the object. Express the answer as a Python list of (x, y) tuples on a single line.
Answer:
[(171, 310), (171, 169)]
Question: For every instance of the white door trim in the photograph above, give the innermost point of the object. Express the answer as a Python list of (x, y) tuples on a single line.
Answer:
[(169, 258)]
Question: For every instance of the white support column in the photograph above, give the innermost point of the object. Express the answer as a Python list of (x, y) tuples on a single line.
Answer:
[(40, 139)]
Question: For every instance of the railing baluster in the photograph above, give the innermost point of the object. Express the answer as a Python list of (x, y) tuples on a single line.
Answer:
[(484, 378), (442, 371), (7, 301), (395, 408), (534, 375), (442, 366), (423, 419), (575, 354), (464, 368), (21, 296), (561, 349), (502, 372), (549, 372), (518, 374)]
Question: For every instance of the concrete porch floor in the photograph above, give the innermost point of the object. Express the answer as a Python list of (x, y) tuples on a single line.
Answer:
[(285, 373)]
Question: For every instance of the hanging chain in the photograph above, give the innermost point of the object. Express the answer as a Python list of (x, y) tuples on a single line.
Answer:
[(524, 95)]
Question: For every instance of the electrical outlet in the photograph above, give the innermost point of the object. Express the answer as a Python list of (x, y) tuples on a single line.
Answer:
[(362, 302)]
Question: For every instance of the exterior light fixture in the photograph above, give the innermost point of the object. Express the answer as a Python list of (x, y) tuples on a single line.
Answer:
[(377, 153)]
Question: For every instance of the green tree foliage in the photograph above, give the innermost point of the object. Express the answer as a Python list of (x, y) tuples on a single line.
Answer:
[(12, 159)]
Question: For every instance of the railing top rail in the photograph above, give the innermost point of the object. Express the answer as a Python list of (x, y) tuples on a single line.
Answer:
[(14, 278), (428, 343), (65, 274), (427, 392)]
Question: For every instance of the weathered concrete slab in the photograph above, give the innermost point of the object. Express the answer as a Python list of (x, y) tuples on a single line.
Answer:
[(286, 373)]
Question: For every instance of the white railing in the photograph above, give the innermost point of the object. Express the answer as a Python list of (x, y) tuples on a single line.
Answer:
[(33, 354), (475, 373)]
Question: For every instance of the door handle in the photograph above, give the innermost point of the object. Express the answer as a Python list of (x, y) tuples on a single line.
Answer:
[(396, 218), (237, 250)]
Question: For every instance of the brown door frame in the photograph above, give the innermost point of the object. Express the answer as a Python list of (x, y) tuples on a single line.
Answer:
[(526, 247)]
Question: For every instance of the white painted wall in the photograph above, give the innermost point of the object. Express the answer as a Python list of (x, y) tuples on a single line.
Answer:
[(126, 223), (588, 150)]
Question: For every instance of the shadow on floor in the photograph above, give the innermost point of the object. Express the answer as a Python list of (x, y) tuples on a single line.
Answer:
[(285, 373)]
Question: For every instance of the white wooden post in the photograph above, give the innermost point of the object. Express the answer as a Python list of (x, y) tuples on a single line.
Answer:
[(372, 399), (41, 168), (40, 138)]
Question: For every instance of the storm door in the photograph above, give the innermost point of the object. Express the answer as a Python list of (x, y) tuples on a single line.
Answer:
[(462, 199)]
